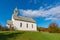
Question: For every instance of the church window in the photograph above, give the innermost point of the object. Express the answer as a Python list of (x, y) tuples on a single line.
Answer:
[(27, 25), (20, 24), (32, 25), (16, 11)]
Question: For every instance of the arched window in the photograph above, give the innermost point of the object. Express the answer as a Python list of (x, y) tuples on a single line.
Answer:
[(20, 24)]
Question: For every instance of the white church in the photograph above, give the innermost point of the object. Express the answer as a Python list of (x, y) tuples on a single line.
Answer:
[(21, 23)]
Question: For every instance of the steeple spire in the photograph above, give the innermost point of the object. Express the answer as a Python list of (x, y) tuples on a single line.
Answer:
[(16, 11), (16, 8)]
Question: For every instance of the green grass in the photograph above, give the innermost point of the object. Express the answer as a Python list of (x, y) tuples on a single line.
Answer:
[(22, 35)]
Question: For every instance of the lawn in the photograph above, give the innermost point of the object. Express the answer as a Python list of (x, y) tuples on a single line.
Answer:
[(22, 35)]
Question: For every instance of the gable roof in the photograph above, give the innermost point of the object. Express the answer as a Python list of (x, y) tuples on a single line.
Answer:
[(21, 18)]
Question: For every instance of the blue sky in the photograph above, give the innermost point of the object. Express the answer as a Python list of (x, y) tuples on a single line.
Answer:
[(43, 12)]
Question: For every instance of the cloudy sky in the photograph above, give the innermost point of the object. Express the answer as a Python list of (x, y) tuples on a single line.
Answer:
[(43, 12)]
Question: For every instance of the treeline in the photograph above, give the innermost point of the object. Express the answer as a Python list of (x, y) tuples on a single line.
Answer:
[(53, 28), (5, 28)]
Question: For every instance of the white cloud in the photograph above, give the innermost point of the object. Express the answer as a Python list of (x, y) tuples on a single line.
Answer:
[(50, 14), (51, 19)]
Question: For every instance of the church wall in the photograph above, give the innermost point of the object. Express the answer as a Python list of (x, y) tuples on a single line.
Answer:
[(24, 25), (8, 25)]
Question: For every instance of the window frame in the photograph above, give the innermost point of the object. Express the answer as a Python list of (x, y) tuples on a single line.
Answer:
[(27, 25), (32, 25), (20, 24)]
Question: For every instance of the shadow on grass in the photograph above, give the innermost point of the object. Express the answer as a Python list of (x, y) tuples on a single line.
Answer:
[(11, 35)]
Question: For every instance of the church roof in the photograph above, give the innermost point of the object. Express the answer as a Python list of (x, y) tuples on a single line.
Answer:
[(21, 18)]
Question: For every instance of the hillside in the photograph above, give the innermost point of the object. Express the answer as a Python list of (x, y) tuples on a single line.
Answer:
[(21, 35)]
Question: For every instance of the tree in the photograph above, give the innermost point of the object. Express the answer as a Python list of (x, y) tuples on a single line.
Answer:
[(41, 29), (53, 28), (1, 27)]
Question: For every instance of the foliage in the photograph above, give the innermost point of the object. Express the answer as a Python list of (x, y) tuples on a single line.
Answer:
[(5, 28), (53, 28), (40, 29)]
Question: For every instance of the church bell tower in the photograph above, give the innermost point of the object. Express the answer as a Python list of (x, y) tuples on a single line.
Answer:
[(16, 11), (15, 14)]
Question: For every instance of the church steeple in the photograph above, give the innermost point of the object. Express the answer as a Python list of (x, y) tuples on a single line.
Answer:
[(16, 11)]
